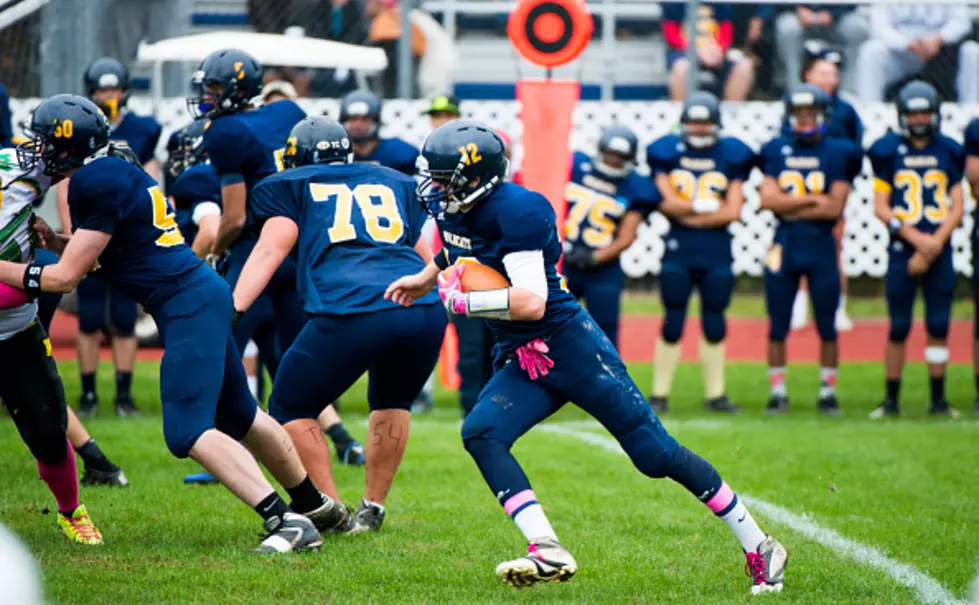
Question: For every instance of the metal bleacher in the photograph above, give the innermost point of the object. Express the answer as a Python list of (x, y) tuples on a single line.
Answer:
[(625, 59)]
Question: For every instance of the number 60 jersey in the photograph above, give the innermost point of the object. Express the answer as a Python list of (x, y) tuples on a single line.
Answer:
[(358, 225)]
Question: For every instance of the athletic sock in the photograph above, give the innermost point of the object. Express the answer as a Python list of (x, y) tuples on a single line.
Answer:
[(827, 382), (339, 435), (665, 361), (776, 379), (368, 504), (305, 497), (726, 505), (88, 385), (271, 506), (937, 384), (124, 381), (529, 516), (93, 457), (712, 362), (893, 389), (62, 480)]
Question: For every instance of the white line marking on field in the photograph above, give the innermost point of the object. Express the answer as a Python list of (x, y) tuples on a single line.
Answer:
[(927, 589)]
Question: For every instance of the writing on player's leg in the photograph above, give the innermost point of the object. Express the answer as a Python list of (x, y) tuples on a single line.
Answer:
[(388, 430), (314, 453)]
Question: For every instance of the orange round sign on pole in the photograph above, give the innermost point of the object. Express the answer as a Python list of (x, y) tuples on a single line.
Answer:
[(550, 33)]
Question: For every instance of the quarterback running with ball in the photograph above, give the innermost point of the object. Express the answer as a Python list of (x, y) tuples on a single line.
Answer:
[(549, 351)]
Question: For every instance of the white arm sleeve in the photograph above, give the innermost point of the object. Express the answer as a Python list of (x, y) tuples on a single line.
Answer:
[(205, 209), (526, 271)]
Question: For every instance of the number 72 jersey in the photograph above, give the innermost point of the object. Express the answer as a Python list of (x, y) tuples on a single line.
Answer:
[(918, 180)]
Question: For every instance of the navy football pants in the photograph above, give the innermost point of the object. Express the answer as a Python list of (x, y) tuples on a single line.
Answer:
[(782, 274), (715, 284), (937, 285), (94, 295), (601, 290)]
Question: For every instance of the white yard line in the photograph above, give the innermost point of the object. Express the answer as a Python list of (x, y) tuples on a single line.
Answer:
[(927, 589)]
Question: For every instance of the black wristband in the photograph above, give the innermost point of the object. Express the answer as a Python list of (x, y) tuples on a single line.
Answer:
[(235, 316), (441, 260), (32, 280)]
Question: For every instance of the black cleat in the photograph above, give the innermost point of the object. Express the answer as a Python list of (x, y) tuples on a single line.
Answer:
[(331, 516), (777, 404), (722, 405), (829, 406), (88, 405), (942, 408), (351, 453), (887, 409), (94, 477), (658, 404), (126, 407), (369, 517)]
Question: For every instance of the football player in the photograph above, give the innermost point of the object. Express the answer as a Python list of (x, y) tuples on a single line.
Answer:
[(31, 389), (107, 84), (918, 195), (357, 228), (972, 175), (607, 200), (549, 351), (360, 114), (807, 178), (699, 175), (124, 228)]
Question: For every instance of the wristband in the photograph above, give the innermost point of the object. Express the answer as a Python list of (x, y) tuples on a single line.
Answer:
[(441, 260), (32, 280), (489, 304)]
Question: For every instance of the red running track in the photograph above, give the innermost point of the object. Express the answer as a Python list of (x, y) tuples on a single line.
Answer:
[(746, 340)]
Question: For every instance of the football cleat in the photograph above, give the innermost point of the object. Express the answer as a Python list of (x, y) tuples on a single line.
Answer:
[(79, 527), (351, 453), (126, 407), (291, 532), (88, 406), (886, 409), (722, 405), (369, 517), (93, 477), (204, 478), (766, 566), (942, 408), (330, 516), (546, 561), (829, 406), (778, 404), (659, 404)]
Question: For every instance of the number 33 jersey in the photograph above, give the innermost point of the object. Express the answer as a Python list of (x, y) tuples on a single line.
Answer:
[(358, 225), (918, 180)]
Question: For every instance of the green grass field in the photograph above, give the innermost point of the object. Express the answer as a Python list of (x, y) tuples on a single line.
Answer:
[(906, 488)]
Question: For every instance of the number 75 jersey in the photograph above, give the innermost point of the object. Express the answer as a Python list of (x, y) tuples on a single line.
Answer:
[(358, 225), (918, 180)]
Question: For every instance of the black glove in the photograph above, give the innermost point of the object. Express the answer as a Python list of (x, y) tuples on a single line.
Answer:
[(580, 258), (235, 316)]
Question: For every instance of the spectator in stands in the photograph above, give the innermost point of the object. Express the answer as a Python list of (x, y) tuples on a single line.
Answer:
[(925, 39), (385, 32), (758, 43), (715, 33), (444, 109), (840, 24)]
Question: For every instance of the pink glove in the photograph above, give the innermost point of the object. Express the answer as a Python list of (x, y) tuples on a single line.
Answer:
[(450, 290), (534, 360), (11, 297)]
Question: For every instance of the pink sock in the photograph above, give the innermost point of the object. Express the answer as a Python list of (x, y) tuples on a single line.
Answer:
[(62, 480)]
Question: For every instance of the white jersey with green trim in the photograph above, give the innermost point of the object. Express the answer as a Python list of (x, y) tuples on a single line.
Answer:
[(21, 193)]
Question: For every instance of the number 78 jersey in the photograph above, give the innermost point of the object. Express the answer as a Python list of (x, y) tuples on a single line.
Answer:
[(918, 180), (358, 225)]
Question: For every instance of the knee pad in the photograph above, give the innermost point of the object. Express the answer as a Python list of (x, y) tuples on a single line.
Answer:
[(777, 333), (899, 330), (715, 327), (90, 315), (650, 447), (936, 355), (673, 322)]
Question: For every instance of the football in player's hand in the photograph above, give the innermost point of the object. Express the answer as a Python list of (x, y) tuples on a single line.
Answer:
[(478, 277)]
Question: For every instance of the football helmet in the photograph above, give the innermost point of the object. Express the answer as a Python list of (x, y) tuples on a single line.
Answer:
[(65, 132), (461, 163), (621, 141), (317, 140), (918, 96), (361, 104), (701, 106), (806, 96), (226, 82), (104, 73), (188, 149)]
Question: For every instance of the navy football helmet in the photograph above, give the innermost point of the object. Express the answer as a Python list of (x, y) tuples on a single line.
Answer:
[(621, 141), (461, 163), (234, 78), (188, 147), (65, 132), (918, 96), (317, 140), (361, 104), (701, 107), (806, 96), (104, 73)]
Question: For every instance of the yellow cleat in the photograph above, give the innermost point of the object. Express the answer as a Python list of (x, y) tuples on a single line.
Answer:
[(79, 527)]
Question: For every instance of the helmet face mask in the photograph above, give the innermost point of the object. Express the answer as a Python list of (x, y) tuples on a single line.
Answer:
[(189, 150)]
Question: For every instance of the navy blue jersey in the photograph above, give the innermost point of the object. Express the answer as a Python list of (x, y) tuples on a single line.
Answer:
[(700, 173), (248, 146), (596, 204), (918, 180), (393, 153), (358, 225), (844, 123), (512, 219), (195, 186), (140, 133), (972, 148), (147, 255), (803, 169)]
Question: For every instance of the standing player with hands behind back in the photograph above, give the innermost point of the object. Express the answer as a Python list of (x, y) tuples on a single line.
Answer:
[(549, 351)]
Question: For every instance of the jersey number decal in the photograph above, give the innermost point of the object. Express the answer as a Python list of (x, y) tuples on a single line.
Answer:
[(792, 181), (383, 221), (598, 209), (710, 185), (913, 185), (163, 219)]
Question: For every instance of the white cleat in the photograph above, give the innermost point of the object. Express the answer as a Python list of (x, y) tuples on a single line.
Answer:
[(766, 566), (291, 533), (843, 321), (546, 561)]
